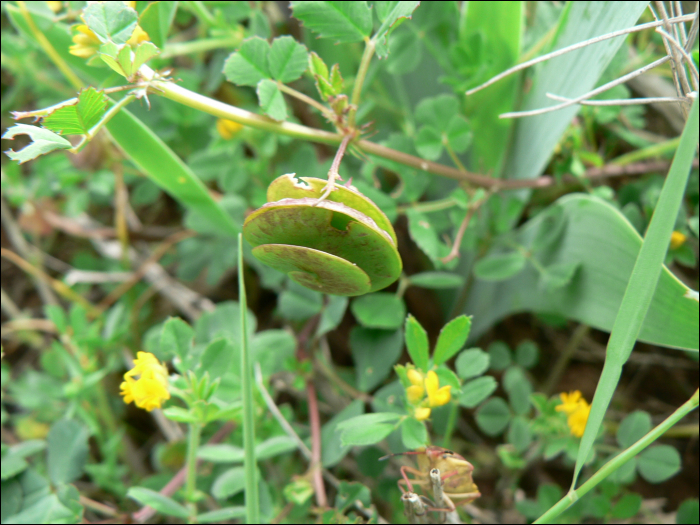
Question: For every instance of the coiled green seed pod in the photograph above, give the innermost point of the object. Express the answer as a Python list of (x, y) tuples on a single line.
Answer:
[(343, 245)]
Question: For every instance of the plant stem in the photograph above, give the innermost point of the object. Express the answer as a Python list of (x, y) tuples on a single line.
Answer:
[(174, 49), (49, 49), (252, 499), (307, 99), (333, 172), (359, 80), (193, 438), (247, 118), (611, 466)]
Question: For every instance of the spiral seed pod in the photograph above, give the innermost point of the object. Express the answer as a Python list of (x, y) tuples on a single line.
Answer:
[(343, 245)]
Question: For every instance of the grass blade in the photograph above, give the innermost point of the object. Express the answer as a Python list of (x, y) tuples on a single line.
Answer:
[(642, 284), (252, 499)]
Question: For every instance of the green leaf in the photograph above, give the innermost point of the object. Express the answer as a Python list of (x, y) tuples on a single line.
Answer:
[(494, 268), (350, 492), (275, 446), (499, 355), (605, 244), (367, 429), (425, 236), (299, 303), (271, 348), (452, 337), (271, 100), (471, 363), (288, 59), (428, 143), (519, 434), (633, 428), (68, 450), (492, 48), (222, 514), (176, 340), (413, 433), (557, 276), (142, 54), (436, 280), (659, 463), (78, 118), (569, 75), (627, 507), (475, 391), (167, 170), (249, 65), (43, 142), (111, 21), (406, 53), (518, 388), (551, 226), (11, 465), (161, 503), (317, 66), (332, 451), (221, 453), (459, 133), (526, 354), (375, 352), (379, 310), (156, 20), (217, 358), (493, 416), (332, 314), (437, 112), (229, 483), (340, 21), (398, 11), (181, 415), (688, 510), (417, 343)]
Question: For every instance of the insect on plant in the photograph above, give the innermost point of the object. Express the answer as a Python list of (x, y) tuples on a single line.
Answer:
[(458, 486)]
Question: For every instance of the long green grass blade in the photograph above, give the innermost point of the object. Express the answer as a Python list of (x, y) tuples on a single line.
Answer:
[(252, 500), (642, 283), (611, 466), (167, 170)]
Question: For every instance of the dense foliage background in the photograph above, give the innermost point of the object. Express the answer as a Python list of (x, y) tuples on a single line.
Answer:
[(525, 242)]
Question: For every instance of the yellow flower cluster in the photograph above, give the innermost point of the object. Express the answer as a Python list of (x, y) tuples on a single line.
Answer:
[(227, 128), (86, 43), (420, 386), (150, 388), (577, 410)]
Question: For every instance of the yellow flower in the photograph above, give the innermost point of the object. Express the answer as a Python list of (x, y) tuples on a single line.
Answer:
[(677, 240), (577, 420), (569, 401), (420, 386), (577, 409), (138, 36), (436, 396), (421, 414), (416, 391), (227, 128), (85, 42), (55, 6), (150, 389)]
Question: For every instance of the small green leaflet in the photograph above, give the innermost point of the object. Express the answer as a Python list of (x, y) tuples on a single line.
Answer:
[(392, 15), (125, 60), (43, 141), (80, 117)]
